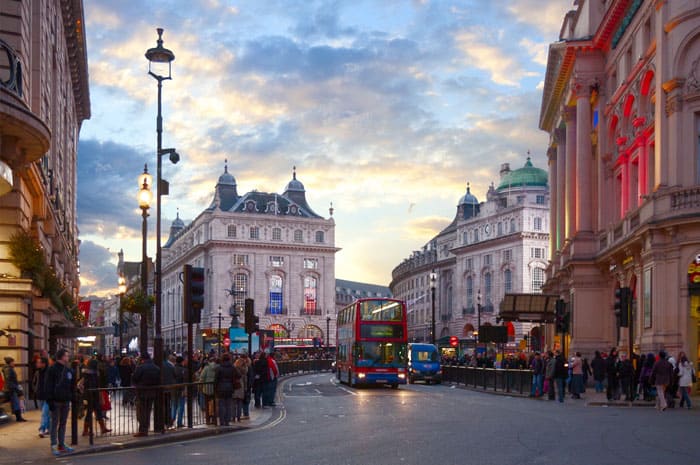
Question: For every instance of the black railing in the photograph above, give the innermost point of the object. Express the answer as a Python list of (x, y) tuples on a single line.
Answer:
[(489, 379)]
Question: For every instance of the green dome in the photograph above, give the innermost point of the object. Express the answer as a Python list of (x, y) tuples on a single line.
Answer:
[(528, 175)]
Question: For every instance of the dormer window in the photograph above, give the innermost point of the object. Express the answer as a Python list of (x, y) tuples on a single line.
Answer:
[(271, 208), (250, 206), (293, 210)]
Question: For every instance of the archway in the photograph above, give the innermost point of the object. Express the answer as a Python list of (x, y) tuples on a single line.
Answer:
[(468, 330), (310, 332), (279, 330)]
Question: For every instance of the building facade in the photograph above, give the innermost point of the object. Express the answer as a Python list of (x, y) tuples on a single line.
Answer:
[(621, 103), (270, 247), (346, 292), (491, 248), (44, 99)]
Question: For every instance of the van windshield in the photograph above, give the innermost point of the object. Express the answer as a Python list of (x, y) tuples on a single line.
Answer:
[(425, 356)]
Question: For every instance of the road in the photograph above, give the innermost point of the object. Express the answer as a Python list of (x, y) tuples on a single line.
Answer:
[(321, 422)]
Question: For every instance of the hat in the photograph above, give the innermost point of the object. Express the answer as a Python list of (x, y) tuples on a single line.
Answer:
[(9, 360)]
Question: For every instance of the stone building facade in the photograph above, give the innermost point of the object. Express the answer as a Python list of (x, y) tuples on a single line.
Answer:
[(621, 103), (44, 99), (490, 248), (270, 247)]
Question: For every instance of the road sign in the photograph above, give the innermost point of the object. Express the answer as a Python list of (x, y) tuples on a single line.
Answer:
[(227, 341)]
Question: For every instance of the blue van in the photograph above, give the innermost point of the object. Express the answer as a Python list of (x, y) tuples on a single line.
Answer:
[(424, 363)]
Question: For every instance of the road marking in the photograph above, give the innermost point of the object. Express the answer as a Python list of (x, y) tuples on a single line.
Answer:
[(319, 392), (347, 390)]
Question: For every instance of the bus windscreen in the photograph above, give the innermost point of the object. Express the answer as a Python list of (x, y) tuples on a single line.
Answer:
[(381, 310)]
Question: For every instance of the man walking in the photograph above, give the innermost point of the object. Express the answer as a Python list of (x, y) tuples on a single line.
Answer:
[(549, 374), (560, 375), (661, 375), (59, 387), (576, 376), (611, 372), (146, 377), (537, 367), (598, 366)]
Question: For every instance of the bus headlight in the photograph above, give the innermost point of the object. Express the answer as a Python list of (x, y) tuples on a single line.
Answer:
[(402, 375), (361, 375)]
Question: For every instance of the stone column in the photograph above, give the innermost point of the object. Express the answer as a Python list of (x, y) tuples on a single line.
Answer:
[(584, 205), (552, 162), (560, 212), (569, 114)]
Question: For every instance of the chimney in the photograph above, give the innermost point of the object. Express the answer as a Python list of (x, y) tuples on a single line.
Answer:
[(505, 169)]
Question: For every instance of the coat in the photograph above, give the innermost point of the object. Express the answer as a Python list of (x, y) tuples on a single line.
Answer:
[(225, 379), (60, 383), (207, 378), (240, 392), (145, 377), (662, 372), (685, 371), (598, 366), (10, 375)]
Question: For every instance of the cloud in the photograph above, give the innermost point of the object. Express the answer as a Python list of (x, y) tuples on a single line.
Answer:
[(427, 227), (98, 270), (538, 51), (546, 17)]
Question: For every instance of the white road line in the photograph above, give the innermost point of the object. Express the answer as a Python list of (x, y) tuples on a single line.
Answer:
[(347, 390), (317, 391)]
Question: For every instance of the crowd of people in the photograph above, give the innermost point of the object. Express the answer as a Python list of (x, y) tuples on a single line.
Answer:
[(223, 388)]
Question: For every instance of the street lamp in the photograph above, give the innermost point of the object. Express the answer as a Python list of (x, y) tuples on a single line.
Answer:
[(160, 67), (145, 182), (122, 291), (433, 281), (478, 313)]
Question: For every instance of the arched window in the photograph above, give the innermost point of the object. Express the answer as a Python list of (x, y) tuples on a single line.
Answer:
[(310, 284), (507, 281), (231, 230), (537, 224), (240, 287), (298, 236), (276, 234), (276, 294), (319, 237), (537, 279)]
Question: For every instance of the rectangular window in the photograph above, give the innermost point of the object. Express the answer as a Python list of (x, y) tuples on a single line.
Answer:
[(507, 255), (537, 223), (298, 236), (240, 259), (469, 264), (537, 252), (540, 200), (311, 263), (487, 259), (276, 260), (232, 230), (255, 232), (276, 234), (319, 237), (647, 298)]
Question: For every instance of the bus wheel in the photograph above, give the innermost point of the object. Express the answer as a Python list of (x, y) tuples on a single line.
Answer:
[(395, 386)]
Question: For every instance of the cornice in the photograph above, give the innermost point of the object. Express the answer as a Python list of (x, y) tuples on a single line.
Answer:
[(74, 29)]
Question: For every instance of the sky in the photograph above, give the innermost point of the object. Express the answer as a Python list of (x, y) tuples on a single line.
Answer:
[(387, 108)]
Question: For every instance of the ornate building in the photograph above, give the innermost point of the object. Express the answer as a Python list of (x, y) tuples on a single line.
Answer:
[(346, 292), (621, 103), (43, 100), (490, 248), (270, 247)]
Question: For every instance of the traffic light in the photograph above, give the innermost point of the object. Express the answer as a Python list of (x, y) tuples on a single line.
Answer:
[(193, 297), (561, 317), (251, 321), (622, 306)]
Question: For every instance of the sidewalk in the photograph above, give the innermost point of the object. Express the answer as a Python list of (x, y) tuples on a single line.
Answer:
[(20, 442)]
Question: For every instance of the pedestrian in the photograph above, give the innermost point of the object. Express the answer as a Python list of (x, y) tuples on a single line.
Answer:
[(92, 395), (41, 364), (672, 389), (626, 374), (224, 385), (168, 379), (261, 376), (645, 377), (240, 388), (612, 375), (549, 375), (560, 375), (207, 378), (146, 379), (179, 393), (661, 375), (598, 367), (270, 386), (537, 367), (685, 381), (576, 376), (113, 374), (249, 381), (587, 373), (60, 388), (13, 390), (126, 370)]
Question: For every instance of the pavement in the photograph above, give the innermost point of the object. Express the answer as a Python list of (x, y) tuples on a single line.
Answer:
[(20, 442)]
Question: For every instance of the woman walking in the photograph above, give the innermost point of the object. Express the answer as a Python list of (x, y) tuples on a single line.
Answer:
[(12, 389), (240, 387), (685, 382)]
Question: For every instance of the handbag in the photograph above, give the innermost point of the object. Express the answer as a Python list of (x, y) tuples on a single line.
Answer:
[(106, 403)]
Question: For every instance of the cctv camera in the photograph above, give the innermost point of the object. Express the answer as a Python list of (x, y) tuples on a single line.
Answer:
[(174, 157)]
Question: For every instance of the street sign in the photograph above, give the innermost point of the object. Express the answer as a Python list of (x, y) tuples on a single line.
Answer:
[(227, 341)]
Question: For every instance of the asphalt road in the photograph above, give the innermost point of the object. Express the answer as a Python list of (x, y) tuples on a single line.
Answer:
[(321, 422)]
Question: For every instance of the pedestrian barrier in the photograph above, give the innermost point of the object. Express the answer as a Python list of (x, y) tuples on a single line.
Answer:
[(489, 379)]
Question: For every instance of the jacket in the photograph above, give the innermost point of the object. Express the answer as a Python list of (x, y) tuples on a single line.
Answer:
[(551, 367), (685, 371), (560, 370), (239, 393), (537, 366), (168, 372), (207, 377), (60, 383), (39, 384), (662, 372), (145, 377), (226, 375), (598, 366), (10, 375)]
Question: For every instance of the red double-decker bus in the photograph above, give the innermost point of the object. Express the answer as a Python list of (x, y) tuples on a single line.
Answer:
[(372, 342)]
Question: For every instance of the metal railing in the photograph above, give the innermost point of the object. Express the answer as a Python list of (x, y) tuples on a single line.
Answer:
[(489, 379)]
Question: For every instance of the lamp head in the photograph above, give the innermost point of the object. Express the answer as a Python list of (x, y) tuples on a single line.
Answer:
[(159, 59)]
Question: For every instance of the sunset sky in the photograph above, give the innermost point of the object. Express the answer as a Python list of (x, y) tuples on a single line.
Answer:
[(387, 108)]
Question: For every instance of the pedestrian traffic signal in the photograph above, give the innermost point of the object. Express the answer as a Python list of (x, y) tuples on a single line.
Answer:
[(251, 321), (193, 297), (561, 317), (622, 306)]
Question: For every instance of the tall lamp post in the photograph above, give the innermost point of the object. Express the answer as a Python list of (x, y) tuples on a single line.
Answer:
[(145, 196), (478, 315), (160, 68), (219, 334), (433, 282), (122, 291)]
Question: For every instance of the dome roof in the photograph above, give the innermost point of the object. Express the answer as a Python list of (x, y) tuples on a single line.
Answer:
[(528, 175), (469, 198), (294, 185), (227, 178), (177, 222)]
